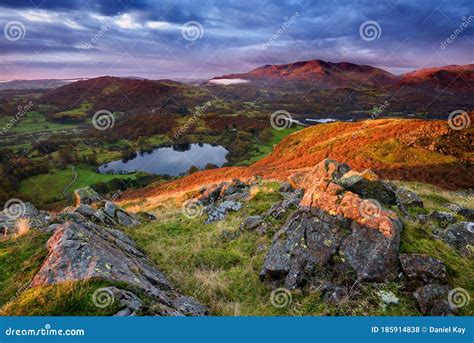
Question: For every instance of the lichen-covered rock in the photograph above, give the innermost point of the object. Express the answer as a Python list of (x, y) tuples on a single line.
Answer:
[(372, 254), (429, 297), (221, 210), (460, 236), (81, 251), (86, 196), (281, 207), (420, 267)]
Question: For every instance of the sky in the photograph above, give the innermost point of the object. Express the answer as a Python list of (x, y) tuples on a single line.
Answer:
[(200, 39)]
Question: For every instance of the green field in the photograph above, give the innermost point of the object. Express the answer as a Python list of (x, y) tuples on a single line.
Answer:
[(33, 122), (47, 188), (259, 150)]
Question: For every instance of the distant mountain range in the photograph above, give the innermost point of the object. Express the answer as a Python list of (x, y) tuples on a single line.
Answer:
[(306, 89), (35, 84), (340, 75)]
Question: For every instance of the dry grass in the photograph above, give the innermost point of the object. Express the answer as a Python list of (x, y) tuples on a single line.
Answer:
[(22, 227)]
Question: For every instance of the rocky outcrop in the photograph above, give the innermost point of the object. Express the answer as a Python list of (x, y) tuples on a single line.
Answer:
[(337, 229), (84, 251)]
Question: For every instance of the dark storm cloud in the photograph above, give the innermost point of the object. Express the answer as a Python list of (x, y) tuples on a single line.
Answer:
[(144, 38)]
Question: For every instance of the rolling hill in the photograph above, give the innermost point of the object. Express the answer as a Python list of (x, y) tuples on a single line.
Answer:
[(134, 96)]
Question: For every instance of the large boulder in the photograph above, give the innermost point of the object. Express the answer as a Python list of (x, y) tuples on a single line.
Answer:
[(424, 268), (334, 220), (81, 251)]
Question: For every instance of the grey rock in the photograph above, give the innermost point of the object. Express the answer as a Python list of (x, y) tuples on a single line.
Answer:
[(460, 236), (408, 198), (373, 255), (286, 187), (86, 196), (251, 223), (380, 190), (423, 268), (147, 216), (467, 213), (281, 207), (441, 308), (220, 211), (336, 297), (427, 295), (444, 218), (129, 303), (301, 245)]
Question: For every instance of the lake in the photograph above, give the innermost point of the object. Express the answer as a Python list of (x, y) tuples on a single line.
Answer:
[(169, 160)]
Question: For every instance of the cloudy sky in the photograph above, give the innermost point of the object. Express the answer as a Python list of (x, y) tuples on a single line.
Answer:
[(201, 39)]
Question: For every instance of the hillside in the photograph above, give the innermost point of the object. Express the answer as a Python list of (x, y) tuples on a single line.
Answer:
[(134, 96), (452, 76), (399, 149)]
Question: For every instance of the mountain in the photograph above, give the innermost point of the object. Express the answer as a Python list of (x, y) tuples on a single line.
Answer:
[(329, 75), (130, 95), (452, 76)]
